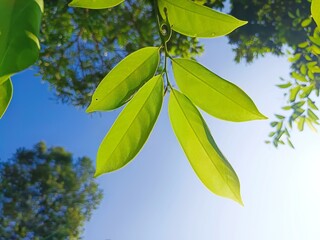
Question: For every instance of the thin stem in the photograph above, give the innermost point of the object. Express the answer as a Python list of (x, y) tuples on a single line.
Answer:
[(165, 38)]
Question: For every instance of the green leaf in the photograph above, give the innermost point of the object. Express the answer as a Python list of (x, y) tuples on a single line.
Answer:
[(95, 4), (315, 11), (194, 20), (206, 159), (286, 85), (125, 79), (5, 96), (299, 77), (212, 93), (312, 105), (19, 31), (306, 22), (301, 123), (131, 129), (293, 93), (295, 58), (312, 115)]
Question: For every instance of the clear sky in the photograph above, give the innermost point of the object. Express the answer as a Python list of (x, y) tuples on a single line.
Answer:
[(158, 196)]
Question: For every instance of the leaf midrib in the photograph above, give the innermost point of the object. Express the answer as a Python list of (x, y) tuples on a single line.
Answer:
[(195, 12), (216, 90), (134, 119), (226, 180), (124, 79)]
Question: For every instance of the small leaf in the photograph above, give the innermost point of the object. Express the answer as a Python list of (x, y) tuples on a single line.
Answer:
[(206, 159), (213, 94), (299, 77), (125, 79), (312, 115), (306, 22), (194, 20), (5, 96), (286, 85), (131, 129), (281, 117), (312, 105), (294, 92), (315, 11), (19, 30), (301, 123), (95, 4), (306, 91), (290, 143), (295, 58)]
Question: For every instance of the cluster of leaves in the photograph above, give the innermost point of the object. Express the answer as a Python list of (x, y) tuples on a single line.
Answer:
[(272, 24), (80, 46), (304, 84), (135, 81), (46, 194), (19, 44)]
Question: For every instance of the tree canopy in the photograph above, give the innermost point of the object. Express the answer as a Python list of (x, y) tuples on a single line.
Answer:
[(46, 194)]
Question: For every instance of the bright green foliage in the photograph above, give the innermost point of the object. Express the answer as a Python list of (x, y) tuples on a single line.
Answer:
[(315, 11), (95, 4), (212, 93), (132, 128), (301, 89), (206, 159), (46, 194), (5, 96), (19, 28), (194, 20), (125, 79)]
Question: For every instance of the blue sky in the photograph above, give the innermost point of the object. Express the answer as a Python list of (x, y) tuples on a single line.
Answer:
[(158, 196)]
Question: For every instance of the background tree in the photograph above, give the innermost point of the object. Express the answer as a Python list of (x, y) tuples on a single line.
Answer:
[(80, 46), (46, 194)]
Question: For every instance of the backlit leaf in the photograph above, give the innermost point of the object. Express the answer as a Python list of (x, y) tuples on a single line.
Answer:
[(125, 79), (131, 129), (212, 93), (315, 11), (293, 93), (194, 20), (19, 31), (5, 96), (204, 156), (300, 123), (95, 4)]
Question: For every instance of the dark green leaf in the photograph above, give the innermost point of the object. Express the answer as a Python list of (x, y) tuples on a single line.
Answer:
[(5, 96), (19, 31)]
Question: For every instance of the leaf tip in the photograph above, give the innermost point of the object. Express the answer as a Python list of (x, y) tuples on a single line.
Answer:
[(89, 109)]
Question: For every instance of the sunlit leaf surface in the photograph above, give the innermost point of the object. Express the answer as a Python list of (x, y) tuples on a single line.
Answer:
[(125, 79), (132, 128), (194, 20), (212, 93), (205, 157), (315, 11), (95, 4)]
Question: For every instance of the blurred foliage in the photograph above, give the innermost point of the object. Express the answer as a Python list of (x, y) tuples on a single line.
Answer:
[(301, 89), (272, 24), (80, 46), (46, 194)]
